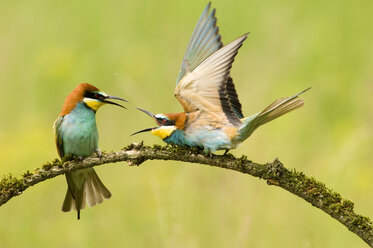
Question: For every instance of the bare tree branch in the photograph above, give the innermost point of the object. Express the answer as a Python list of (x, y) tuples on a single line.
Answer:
[(274, 173)]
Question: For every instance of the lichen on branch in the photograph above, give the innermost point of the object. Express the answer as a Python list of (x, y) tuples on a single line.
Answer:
[(274, 173)]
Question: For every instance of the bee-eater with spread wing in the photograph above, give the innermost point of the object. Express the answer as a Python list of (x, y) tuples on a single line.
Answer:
[(213, 119), (76, 134)]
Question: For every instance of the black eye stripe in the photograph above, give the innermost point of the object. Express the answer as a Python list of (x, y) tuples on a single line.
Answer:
[(94, 95), (165, 121)]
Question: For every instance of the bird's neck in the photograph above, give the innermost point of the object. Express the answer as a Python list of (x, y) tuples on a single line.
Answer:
[(179, 118), (81, 110)]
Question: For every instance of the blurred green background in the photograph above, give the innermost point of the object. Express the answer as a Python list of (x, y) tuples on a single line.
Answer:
[(133, 49)]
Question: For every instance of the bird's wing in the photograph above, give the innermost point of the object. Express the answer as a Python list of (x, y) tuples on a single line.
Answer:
[(233, 98), (209, 88), (205, 41), (58, 136)]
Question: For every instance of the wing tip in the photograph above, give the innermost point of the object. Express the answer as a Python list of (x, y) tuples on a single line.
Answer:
[(244, 36), (303, 91)]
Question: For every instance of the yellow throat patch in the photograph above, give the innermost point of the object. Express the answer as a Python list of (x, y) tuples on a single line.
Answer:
[(163, 131), (93, 104)]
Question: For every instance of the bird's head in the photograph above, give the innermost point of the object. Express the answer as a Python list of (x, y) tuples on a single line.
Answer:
[(167, 124), (90, 95)]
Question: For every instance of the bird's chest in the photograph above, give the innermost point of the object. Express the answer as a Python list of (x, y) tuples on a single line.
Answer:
[(208, 137), (79, 133)]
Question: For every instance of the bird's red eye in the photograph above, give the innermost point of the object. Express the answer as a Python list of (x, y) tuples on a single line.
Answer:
[(164, 121), (97, 96)]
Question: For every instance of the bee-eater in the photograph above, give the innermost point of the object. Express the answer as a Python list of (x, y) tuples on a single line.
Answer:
[(212, 117), (76, 134)]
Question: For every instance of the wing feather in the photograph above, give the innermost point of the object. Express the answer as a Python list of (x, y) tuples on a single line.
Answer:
[(205, 88), (232, 96), (205, 40), (58, 136)]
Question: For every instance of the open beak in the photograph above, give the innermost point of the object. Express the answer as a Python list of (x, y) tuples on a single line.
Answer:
[(114, 103), (145, 130)]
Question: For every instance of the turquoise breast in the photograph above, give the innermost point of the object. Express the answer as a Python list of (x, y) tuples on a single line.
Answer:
[(79, 131)]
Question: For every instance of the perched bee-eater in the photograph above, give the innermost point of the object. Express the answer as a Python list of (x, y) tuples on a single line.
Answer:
[(76, 134), (213, 119)]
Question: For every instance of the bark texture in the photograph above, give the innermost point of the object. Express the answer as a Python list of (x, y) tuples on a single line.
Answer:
[(274, 173)]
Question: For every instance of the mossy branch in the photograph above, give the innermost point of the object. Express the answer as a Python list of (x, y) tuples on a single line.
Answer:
[(274, 173)]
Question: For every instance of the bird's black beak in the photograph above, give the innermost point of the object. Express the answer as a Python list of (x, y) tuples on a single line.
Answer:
[(147, 129), (148, 113), (114, 103), (144, 130)]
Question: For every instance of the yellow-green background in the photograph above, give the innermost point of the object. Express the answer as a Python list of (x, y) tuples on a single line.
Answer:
[(133, 49)]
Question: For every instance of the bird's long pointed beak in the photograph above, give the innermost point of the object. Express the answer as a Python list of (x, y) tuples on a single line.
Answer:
[(117, 98), (148, 113), (147, 129), (144, 130), (114, 103)]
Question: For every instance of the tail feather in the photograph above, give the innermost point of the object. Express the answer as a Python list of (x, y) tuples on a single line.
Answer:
[(93, 193), (281, 107), (69, 202), (273, 111), (90, 193), (84, 187), (100, 187)]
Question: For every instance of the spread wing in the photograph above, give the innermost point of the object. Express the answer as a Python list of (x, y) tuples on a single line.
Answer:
[(58, 136), (232, 96), (209, 88), (205, 41)]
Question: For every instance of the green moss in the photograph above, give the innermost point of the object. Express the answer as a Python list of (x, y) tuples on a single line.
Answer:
[(331, 202), (27, 174), (335, 208), (230, 156), (129, 147), (69, 157), (58, 163), (157, 147), (47, 166), (132, 146), (243, 158), (362, 222), (332, 198), (10, 183), (348, 205)]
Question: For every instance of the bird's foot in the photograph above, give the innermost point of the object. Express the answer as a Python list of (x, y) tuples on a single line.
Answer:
[(98, 152), (208, 153), (226, 152), (73, 157)]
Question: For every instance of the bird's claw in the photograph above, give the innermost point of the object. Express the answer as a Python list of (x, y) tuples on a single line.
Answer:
[(99, 153), (208, 153)]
